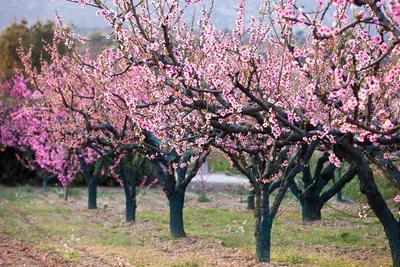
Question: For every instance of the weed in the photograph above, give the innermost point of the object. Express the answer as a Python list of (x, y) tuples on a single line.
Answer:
[(185, 264), (203, 197)]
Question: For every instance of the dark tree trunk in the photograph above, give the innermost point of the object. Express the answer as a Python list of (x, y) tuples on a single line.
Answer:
[(250, 201), (311, 210), (339, 196), (91, 179), (45, 190), (66, 192), (263, 226), (368, 187), (176, 201), (394, 243), (133, 195), (130, 205), (92, 193), (311, 206), (175, 190)]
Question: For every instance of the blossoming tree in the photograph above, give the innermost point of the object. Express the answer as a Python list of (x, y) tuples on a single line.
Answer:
[(338, 89)]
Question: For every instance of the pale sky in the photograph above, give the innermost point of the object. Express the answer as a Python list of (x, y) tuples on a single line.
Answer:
[(223, 16)]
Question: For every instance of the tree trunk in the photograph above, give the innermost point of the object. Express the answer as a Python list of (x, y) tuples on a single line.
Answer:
[(91, 179), (45, 190), (130, 207), (92, 193), (310, 210), (368, 187), (66, 192), (394, 243), (133, 196), (339, 196), (263, 226), (176, 202), (250, 201)]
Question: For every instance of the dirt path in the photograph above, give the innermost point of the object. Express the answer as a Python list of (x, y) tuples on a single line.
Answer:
[(14, 253)]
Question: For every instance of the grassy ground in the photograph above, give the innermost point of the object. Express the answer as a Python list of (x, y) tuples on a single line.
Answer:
[(220, 231)]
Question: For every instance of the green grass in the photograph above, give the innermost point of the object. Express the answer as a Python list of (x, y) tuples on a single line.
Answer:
[(74, 192), (17, 193), (57, 220), (202, 197), (219, 163)]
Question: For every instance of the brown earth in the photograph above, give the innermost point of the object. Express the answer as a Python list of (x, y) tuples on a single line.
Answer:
[(14, 253)]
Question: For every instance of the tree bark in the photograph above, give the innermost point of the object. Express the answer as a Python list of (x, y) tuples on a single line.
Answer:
[(134, 178), (368, 187), (45, 190), (263, 226), (311, 210), (250, 201), (176, 202), (339, 196), (394, 244), (92, 193), (90, 179), (130, 206), (66, 192)]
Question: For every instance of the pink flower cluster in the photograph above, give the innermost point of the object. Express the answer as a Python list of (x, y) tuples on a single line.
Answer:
[(335, 160)]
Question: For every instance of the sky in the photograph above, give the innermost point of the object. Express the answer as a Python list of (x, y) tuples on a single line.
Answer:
[(33, 10), (10, 10)]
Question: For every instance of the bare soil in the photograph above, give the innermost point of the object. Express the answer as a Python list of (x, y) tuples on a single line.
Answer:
[(14, 253)]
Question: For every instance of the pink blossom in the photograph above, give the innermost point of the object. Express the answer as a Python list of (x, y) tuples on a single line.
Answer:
[(335, 160), (384, 47), (128, 15), (388, 125)]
